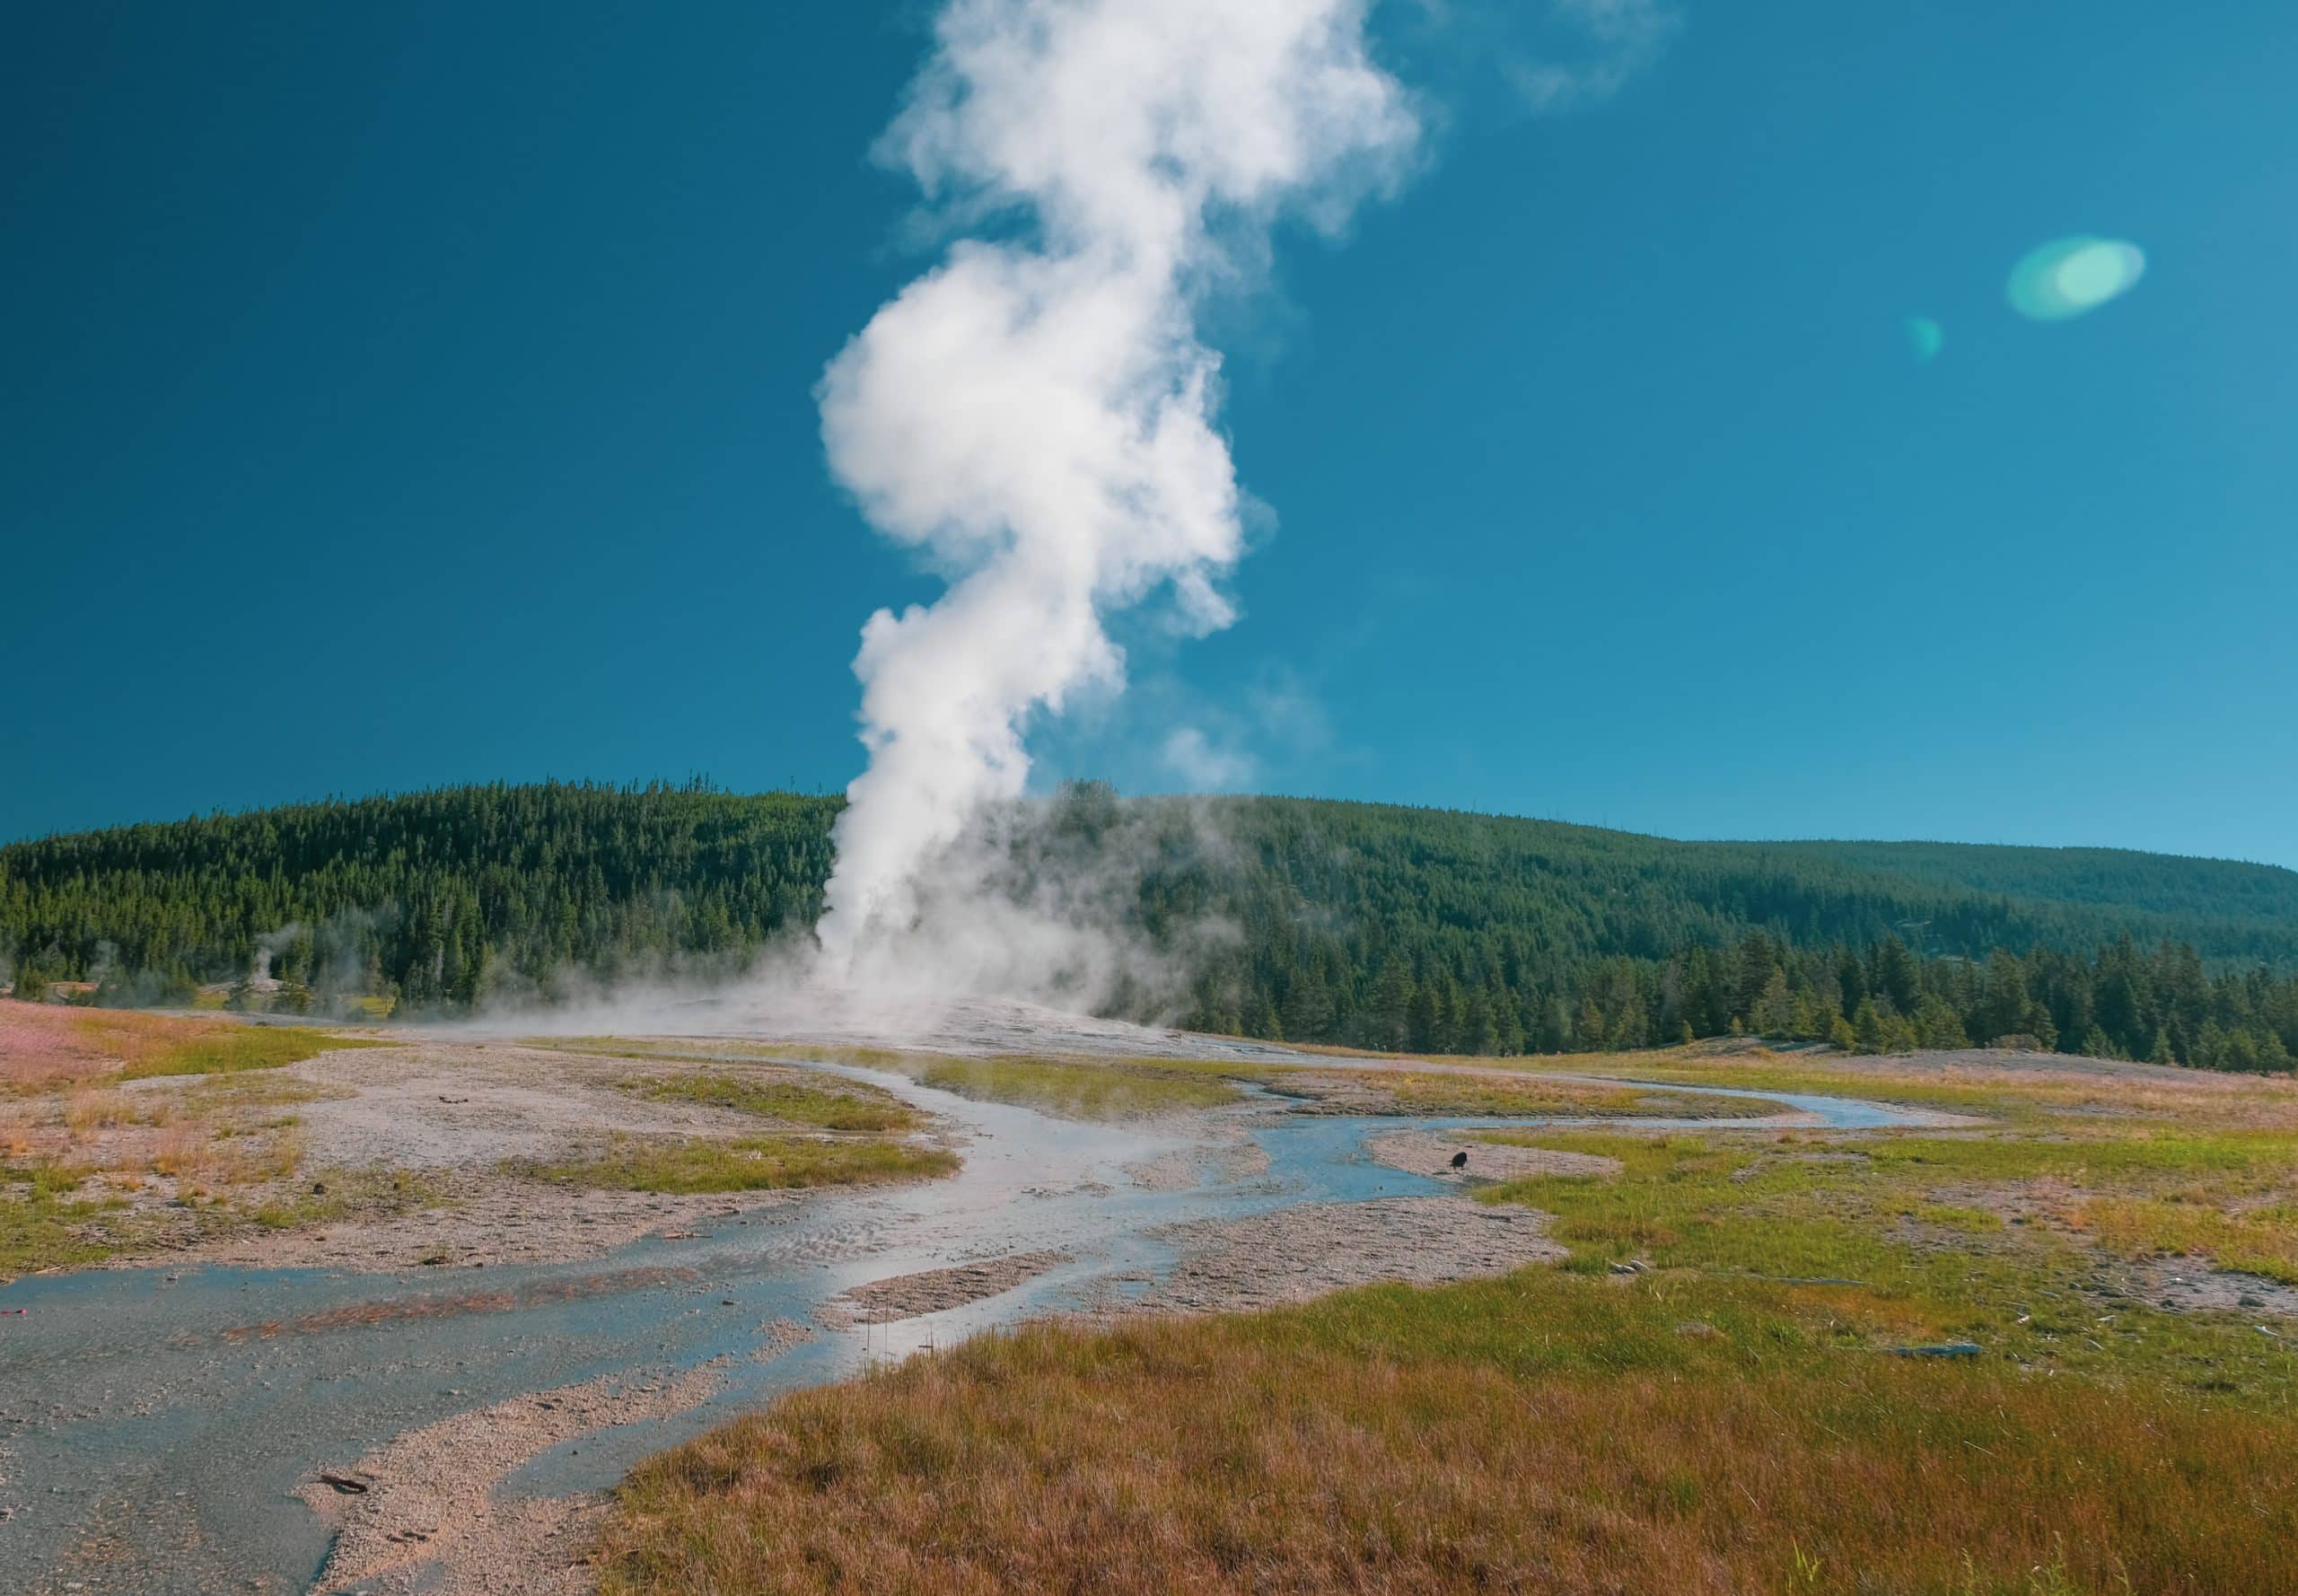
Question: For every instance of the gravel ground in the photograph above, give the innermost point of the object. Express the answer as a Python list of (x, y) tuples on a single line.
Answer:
[(2190, 1285), (1227, 1156), (447, 1118), (1292, 1254), (482, 1221), (421, 1513), (779, 1336), (1431, 1153), (930, 1291)]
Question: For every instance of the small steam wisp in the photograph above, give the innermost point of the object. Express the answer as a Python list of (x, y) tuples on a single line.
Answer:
[(1037, 413)]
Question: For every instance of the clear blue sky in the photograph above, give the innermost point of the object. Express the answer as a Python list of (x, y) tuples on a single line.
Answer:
[(410, 394)]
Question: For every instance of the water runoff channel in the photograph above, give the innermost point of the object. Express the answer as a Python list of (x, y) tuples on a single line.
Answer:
[(156, 1423)]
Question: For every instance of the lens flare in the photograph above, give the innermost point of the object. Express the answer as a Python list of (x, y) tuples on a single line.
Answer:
[(2072, 276), (1924, 338)]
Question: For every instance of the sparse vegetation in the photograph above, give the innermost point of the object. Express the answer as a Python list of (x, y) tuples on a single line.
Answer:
[(94, 1161), (345, 1194), (718, 1051)]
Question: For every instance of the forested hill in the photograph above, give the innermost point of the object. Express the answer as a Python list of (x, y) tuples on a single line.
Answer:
[(1357, 921)]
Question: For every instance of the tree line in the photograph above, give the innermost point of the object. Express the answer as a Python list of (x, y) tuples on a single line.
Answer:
[(2158, 1004), (1308, 920)]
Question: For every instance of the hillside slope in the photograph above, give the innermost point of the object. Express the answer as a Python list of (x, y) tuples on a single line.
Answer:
[(1355, 922)]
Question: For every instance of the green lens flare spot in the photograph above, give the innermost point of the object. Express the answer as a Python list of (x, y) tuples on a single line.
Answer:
[(1924, 338), (2072, 276)]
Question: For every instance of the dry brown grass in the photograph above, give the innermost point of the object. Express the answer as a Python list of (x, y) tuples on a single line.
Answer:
[(198, 1155), (1235, 1457), (78, 1140)]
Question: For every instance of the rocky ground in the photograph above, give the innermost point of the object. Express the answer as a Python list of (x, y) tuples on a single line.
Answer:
[(423, 1512)]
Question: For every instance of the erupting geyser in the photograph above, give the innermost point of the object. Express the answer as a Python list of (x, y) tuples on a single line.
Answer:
[(1037, 414)]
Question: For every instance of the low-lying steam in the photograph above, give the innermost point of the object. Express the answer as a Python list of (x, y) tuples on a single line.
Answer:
[(1037, 414)]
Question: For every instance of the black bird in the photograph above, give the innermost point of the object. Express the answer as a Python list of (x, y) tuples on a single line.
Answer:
[(1460, 1161)]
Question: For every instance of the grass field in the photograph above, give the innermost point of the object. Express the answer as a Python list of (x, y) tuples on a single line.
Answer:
[(1502, 1096), (2028, 1088), (1729, 1415)]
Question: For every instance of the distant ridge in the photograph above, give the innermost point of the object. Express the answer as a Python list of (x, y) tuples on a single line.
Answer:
[(437, 898)]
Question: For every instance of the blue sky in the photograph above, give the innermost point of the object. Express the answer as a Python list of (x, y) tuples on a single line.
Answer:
[(408, 395)]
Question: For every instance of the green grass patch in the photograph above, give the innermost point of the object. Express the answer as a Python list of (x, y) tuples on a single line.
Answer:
[(1797, 1212), (2100, 1155), (745, 1164), (43, 1227), (1073, 1088), (796, 1102), (1970, 1221), (225, 1048)]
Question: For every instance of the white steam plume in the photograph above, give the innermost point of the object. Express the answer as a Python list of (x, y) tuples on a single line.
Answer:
[(1037, 413)]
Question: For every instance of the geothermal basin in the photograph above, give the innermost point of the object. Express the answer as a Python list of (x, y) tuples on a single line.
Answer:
[(436, 1401)]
